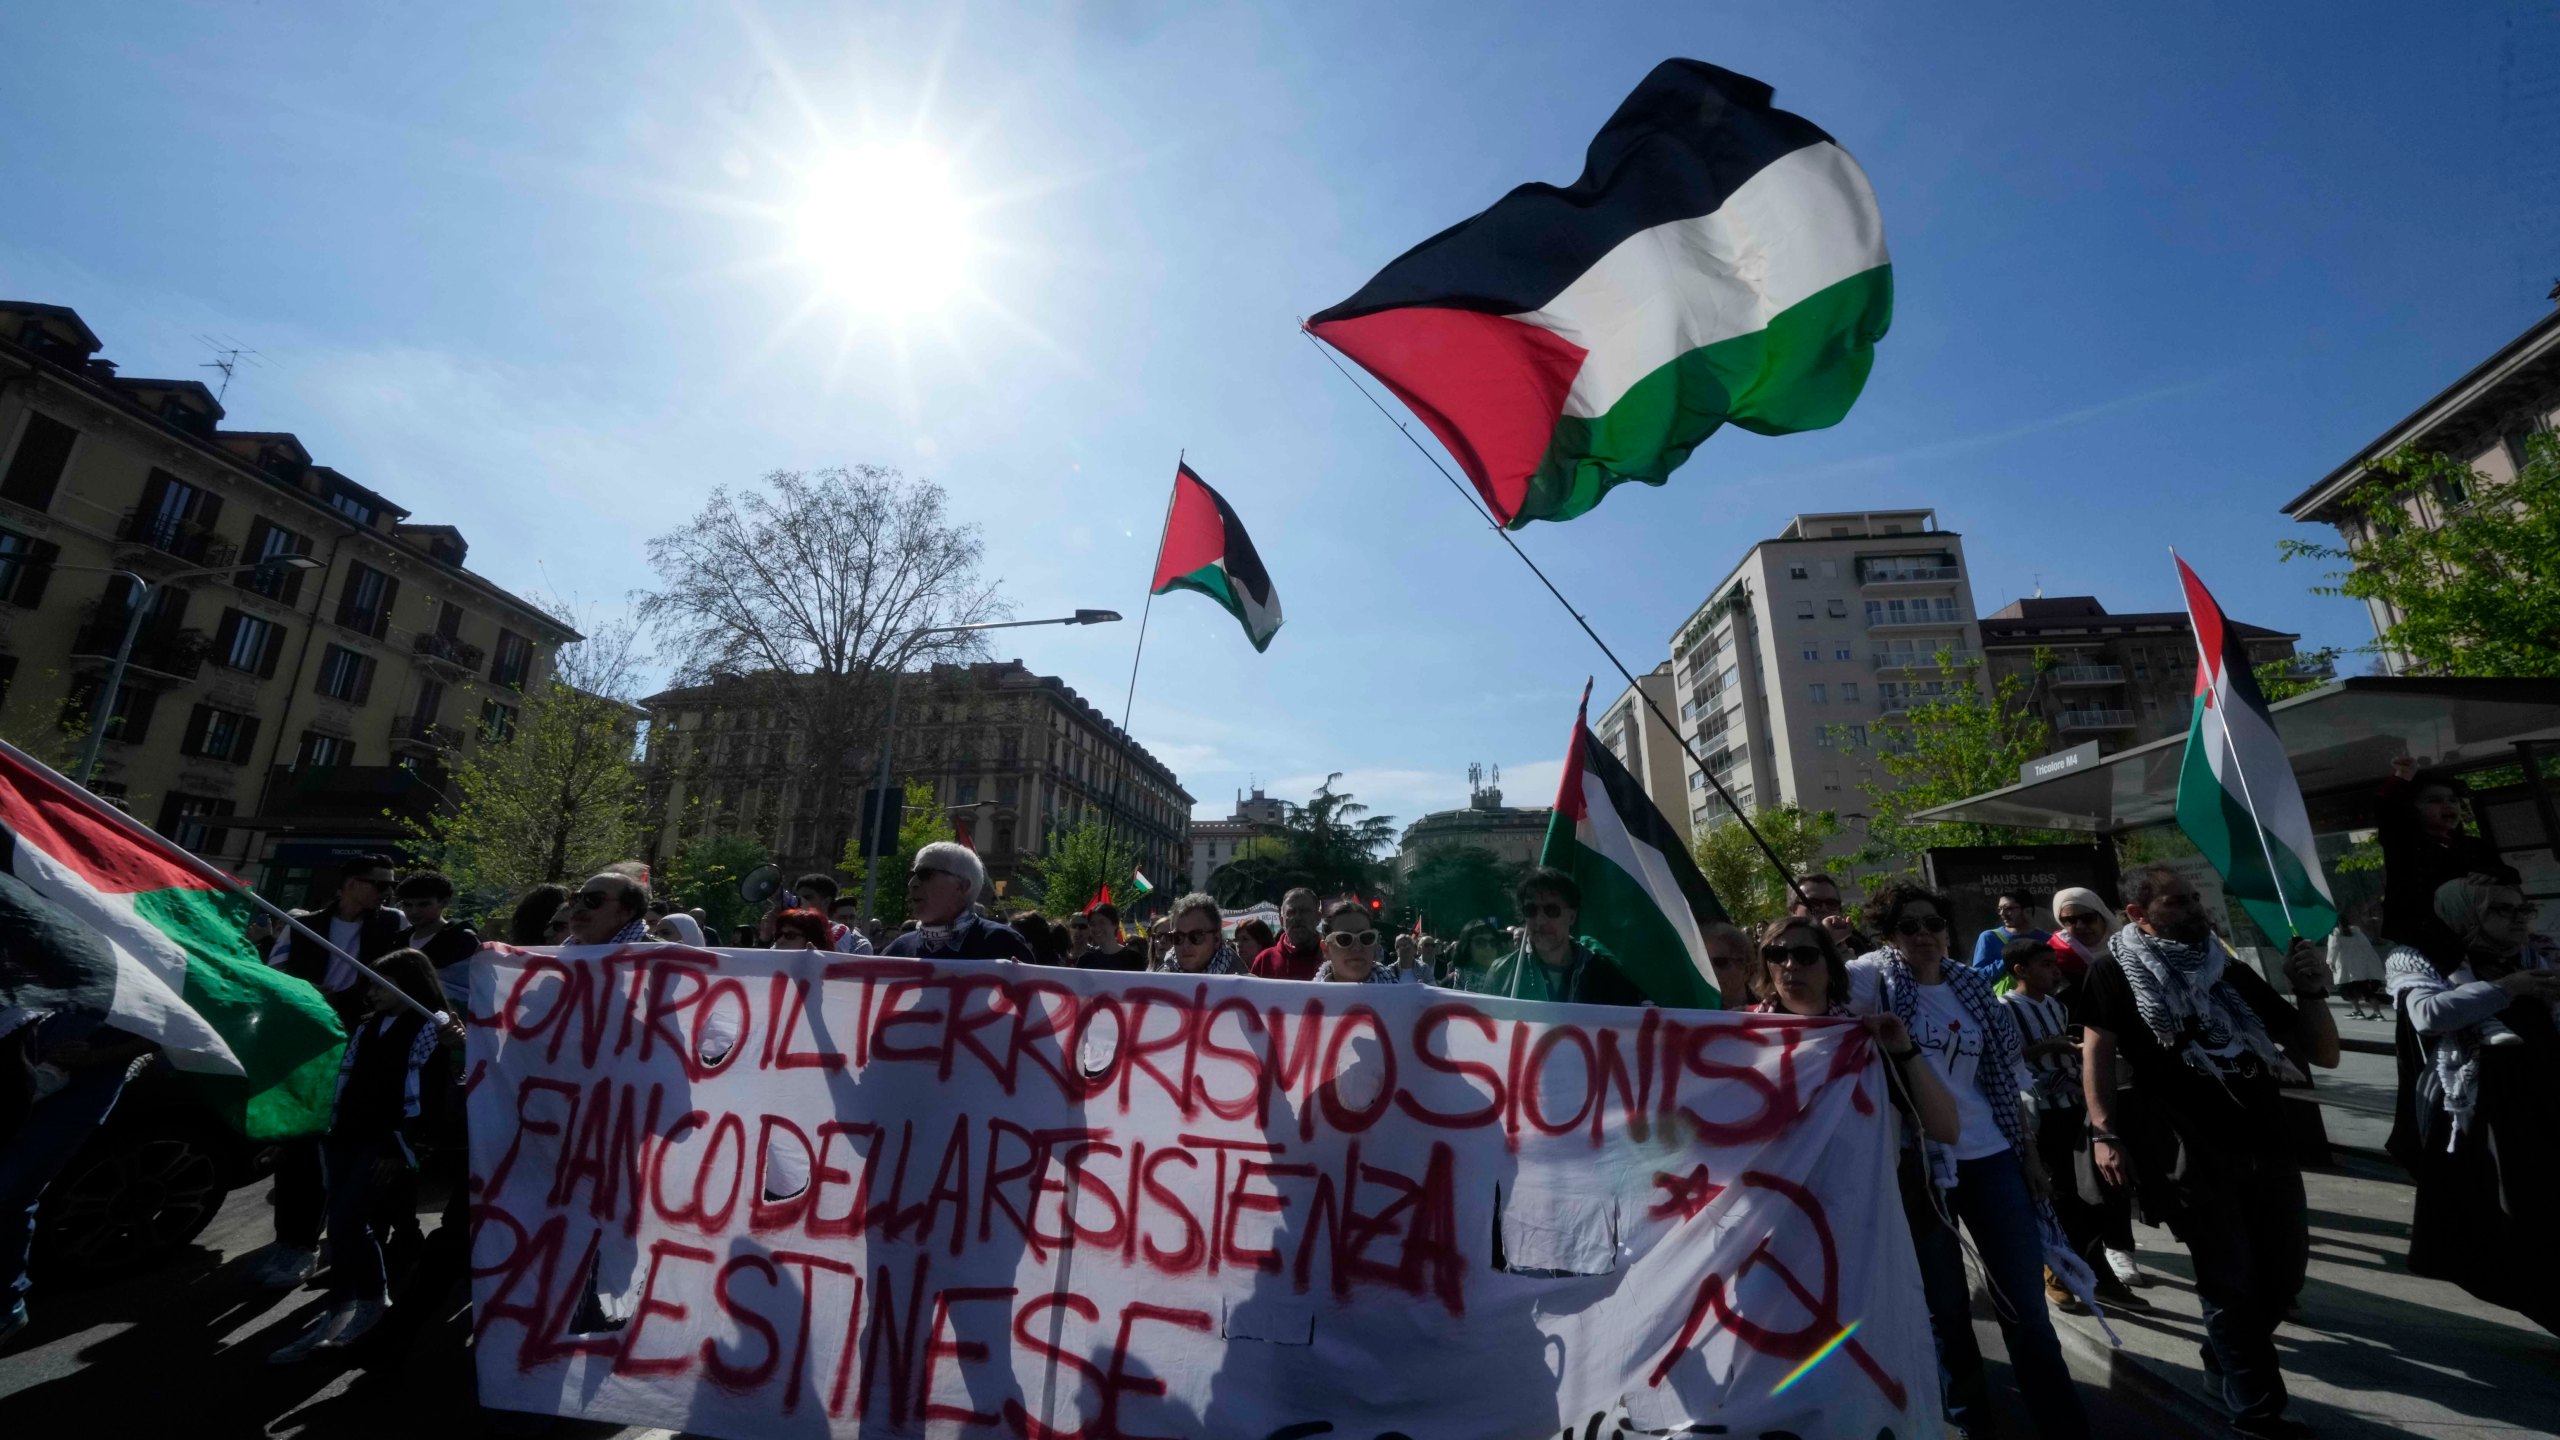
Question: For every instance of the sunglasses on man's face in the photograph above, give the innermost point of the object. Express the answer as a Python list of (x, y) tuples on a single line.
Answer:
[(922, 872), (1822, 904), (1349, 938), (1783, 955), (592, 900), (1914, 924), (1194, 937), (1551, 909)]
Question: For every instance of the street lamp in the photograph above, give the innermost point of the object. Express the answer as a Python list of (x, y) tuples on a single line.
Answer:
[(142, 589), (871, 854)]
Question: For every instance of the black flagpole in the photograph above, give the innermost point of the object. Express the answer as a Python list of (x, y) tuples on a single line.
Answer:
[(1126, 706), (1611, 655)]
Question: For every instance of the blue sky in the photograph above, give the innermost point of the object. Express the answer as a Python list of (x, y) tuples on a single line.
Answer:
[(527, 270)]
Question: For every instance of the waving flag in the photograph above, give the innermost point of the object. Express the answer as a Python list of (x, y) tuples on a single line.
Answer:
[(2236, 794), (165, 952), (1719, 260), (1643, 899), (1205, 549)]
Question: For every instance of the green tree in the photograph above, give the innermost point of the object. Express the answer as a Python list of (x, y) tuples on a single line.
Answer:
[(1752, 892), (921, 822), (1076, 865), (1330, 845), (1954, 741), (1451, 884), (556, 798), (51, 733), (2295, 674), (2476, 592), (705, 875)]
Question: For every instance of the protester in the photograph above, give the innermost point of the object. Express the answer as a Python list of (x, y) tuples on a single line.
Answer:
[(1039, 934), (1988, 1177), (375, 1133), (1200, 947), (678, 928), (1550, 963), (942, 884), (1351, 947), (1111, 949), (1802, 972), (1818, 895), (2356, 971), (2015, 912), (2208, 1142), (1299, 950), (2479, 1071), (448, 945), (1735, 965), (1409, 958), (608, 910), (846, 912), (359, 925), (1252, 938), (801, 929), (818, 891), (1480, 946), (2080, 941), (557, 932), (2418, 819), (77, 1068), (2051, 1051)]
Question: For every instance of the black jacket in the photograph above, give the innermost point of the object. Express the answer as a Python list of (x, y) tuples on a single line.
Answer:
[(385, 930)]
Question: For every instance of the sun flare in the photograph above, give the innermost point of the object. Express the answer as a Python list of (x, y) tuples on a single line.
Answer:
[(883, 229)]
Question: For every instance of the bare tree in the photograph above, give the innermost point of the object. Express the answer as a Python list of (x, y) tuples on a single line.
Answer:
[(811, 593)]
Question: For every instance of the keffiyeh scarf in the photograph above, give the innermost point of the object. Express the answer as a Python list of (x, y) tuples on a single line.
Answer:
[(2455, 1055), (1996, 1075), (2191, 1007), (1380, 973), (1222, 961)]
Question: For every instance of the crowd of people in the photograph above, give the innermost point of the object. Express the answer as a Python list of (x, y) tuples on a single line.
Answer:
[(2051, 1087)]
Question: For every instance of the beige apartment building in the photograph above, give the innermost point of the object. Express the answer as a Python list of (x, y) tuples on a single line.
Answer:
[(1014, 757), (2483, 418), (306, 654), (1649, 748), (1819, 633), (2120, 680), (1214, 843)]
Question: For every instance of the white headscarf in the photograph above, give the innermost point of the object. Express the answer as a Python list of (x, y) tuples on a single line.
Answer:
[(686, 930), (2086, 900)]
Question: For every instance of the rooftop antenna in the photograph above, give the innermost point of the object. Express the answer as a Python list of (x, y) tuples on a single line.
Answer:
[(226, 358), (2039, 584)]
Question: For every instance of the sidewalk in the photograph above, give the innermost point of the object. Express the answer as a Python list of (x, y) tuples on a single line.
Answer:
[(2373, 1351)]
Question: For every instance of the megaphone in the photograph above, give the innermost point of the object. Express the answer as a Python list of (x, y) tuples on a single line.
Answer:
[(759, 884)]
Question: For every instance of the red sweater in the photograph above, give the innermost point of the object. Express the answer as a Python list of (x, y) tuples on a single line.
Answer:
[(1286, 961)]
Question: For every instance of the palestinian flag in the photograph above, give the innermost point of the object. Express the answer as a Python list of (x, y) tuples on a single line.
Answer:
[(1139, 886), (2236, 793), (1719, 260), (1205, 549), (162, 953), (1643, 899)]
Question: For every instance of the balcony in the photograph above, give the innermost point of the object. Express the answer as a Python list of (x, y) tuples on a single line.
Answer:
[(2097, 720), (424, 732), (446, 655), (354, 800), (1906, 574), (164, 540), (1883, 617), (1957, 657), (171, 656), (2085, 675)]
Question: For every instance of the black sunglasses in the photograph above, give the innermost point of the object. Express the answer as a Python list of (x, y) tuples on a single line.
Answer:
[(2084, 918), (591, 900), (925, 872), (1793, 954), (1551, 909), (1194, 937), (1913, 925)]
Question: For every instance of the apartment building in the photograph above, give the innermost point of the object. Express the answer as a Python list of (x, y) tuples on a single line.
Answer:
[(1014, 757), (1649, 748), (2483, 418), (1821, 631), (2121, 680), (306, 652), (1217, 842)]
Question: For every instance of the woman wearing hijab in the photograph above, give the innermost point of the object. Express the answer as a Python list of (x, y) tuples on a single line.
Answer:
[(677, 928), (2479, 1066), (1200, 946)]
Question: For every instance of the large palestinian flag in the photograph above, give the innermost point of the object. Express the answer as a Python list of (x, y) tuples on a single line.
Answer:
[(2236, 793), (162, 953), (1205, 549), (1719, 260), (1643, 899)]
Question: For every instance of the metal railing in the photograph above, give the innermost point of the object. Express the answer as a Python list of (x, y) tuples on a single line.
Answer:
[(1906, 574), (2085, 674), (2097, 719), (428, 645), (180, 539), (176, 654), (1923, 659)]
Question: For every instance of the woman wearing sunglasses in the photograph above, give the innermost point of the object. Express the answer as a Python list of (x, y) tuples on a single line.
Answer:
[(1199, 940), (1350, 939), (1802, 972), (1987, 1177)]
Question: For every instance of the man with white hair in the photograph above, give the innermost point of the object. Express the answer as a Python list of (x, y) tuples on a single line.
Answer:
[(945, 878)]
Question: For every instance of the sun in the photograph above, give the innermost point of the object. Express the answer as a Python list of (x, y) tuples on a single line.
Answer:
[(883, 229)]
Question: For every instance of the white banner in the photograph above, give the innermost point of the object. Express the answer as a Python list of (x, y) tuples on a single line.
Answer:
[(771, 1193)]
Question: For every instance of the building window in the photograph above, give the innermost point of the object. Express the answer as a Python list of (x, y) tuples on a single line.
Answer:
[(1838, 609), (128, 721), (1822, 738), (186, 819), (1855, 737), (247, 644), (1831, 780), (1830, 569), (355, 507), (1804, 609), (217, 734), (1841, 650), (267, 541), (25, 565), (1818, 693), (498, 722), (1008, 791), (322, 752), (1795, 572), (345, 675), (44, 447), (1848, 690), (968, 793), (511, 663), (364, 602), (1813, 649)]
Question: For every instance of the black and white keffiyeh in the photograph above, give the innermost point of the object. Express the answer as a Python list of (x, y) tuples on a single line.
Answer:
[(1380, 973), (1224, 961), (1996, 1075), (2190, 1006)]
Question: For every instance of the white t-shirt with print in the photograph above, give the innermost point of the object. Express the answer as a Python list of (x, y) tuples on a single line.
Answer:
[(1951, 1042)]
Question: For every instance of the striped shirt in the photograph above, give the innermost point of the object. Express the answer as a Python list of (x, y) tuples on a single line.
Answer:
[(2056, 1078)]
